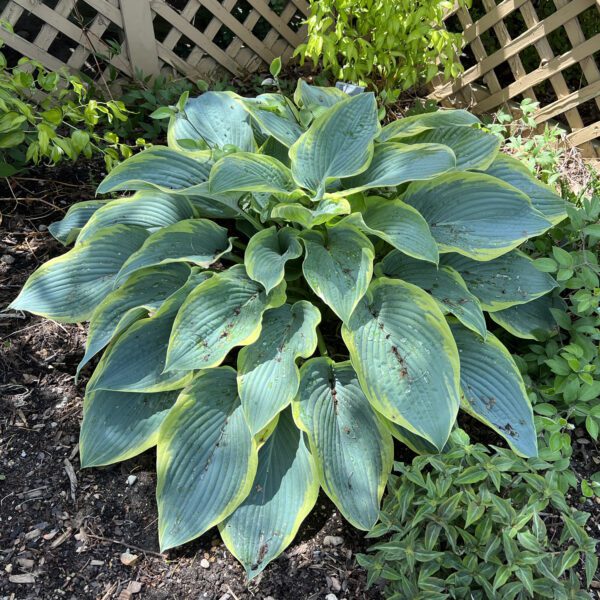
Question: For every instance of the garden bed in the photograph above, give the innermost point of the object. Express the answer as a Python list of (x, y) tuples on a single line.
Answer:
[(65, 536), (68, 533)]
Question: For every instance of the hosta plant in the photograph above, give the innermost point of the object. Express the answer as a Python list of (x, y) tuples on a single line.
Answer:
[(290, 287)]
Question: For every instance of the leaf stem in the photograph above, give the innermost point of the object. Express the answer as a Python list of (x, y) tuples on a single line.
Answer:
[(321, 343)]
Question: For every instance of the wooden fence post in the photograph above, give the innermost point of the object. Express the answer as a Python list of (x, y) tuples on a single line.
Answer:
[(139, 35)]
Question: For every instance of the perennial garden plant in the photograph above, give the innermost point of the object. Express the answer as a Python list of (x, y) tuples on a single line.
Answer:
[(378, 249)]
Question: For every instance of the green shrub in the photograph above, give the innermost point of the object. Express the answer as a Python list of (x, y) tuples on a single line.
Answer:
[(381, 245), (51, 116), (389, 45), (476, 523)]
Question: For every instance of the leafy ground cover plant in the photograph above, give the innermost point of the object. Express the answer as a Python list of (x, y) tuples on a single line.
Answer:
[(480, 523), (390, 45), (379, 248)]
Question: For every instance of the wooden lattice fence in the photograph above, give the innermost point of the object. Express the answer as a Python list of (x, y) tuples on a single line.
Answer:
[(548, 51), (195, 37)]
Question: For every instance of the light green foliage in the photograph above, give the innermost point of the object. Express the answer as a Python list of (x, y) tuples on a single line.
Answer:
[(389, 45), (470, 524), (379, 280), (50, 116)]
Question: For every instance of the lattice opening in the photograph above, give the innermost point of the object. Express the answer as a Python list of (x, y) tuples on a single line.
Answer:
[(224, 37), (241, 10), (515, 24), (589, 111), (296, 21), (183, 48), (574, 77), (28, 26), (278, 6), (202, 18), (261, 29), (62, 47), (530, 58), (162, 28)]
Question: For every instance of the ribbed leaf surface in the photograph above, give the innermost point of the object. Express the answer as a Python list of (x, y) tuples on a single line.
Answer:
[(409, 126), (217, 118), (284, 491), (494, 391), (118, 426), (268, 251), (338, 266), (206, 459), (512, 171), (399, 224), (218, 315), (406, 358), (443, 283), (159, 168), (66, 231), (198, 241), (148, 209), (476, 215), (69, 288), (339, 143), (267, 373), (353, 449), (503, 282), (143, 292)]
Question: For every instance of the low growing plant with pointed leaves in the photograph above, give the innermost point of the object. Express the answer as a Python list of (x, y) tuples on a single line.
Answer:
[(380, 247)]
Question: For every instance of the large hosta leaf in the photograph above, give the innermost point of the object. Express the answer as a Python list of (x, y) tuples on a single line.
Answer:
[(406, 358), (216, 118), (218, 315), (415, 442), (394, 164), (246, 172), (66, 231), (136, 361), (323, 211), (268, 251), (503, 282), (118, 426), (267, 373), (159, 168), (533, 320), (512, 171), (444, 284), (399, 224), (315, 98), (284, 491), (338, 266), (494, 391), (143, 292), (409, 126), (275, 117), (69, 288), (149, 209), (206, 459), (198, 241), (339, 143), (353, 449), (473, 148), (476, 215)]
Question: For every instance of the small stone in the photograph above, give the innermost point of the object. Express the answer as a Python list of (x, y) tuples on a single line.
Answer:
[(43, 227), (134, 587), (336, 586), (331, 597), (204, 564), (131, 480), (8, 568), (97, 563), (26, 563), (25, 578), (333, 540), (225, 597), (7, 259), (129, 559)]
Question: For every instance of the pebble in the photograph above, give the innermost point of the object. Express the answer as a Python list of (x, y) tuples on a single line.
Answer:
[(336, 586), (7, 259), (129, 559), (131, 480), (333, 540), (43, 227), (204, 564), (331, 597)]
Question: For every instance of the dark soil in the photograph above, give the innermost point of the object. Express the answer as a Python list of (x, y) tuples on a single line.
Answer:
[(66, 533)]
